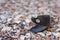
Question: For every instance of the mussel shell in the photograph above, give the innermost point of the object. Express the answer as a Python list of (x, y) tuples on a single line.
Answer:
[(44, 20), (38, 28)]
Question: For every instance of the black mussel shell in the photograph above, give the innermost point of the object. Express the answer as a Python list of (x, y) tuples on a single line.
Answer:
[(44, 20), (38, 28)]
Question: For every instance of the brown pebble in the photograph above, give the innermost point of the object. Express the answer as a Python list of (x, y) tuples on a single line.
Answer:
[(40, 38), (56, 21), (14, 7), (48, 38)]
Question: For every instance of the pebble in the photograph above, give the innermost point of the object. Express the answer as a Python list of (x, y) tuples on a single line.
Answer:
[(9, 19), (56, 21), (22, 37), (48, 33), (58, 30), (58, 25), (27, 21), (22, 25), (14, 7), (6, 28), (28, 35), (42, 34), (48, 38), (56, 34), (3, 17)]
